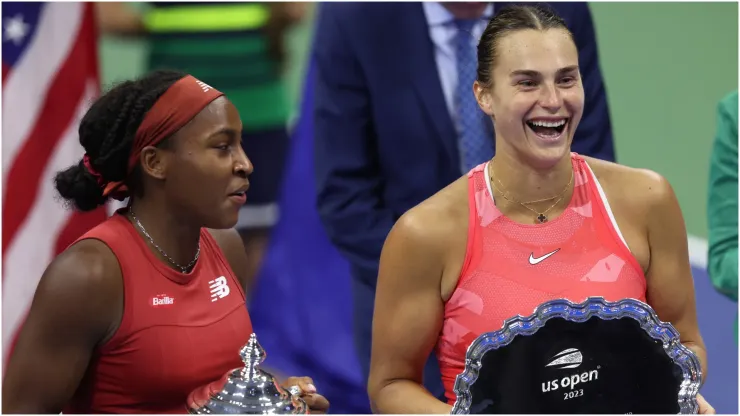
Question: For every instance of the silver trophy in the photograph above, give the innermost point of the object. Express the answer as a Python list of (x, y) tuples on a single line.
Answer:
[(591, 357), (247, 391)]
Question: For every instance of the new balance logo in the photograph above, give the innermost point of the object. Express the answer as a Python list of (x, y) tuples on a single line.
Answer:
[(162, 300), (205, 87), (219, 288)]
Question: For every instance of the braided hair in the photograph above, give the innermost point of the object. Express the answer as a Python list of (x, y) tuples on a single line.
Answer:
[(107, 134)]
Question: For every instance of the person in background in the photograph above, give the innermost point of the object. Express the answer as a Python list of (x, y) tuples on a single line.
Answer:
[(722, 203), (535, 223), (396, 121), (237, 48)]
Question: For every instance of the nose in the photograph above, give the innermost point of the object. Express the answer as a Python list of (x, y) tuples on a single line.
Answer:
[(550, 98), (242, 165)]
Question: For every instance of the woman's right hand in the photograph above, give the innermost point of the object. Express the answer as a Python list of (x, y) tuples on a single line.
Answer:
[(316, 402)]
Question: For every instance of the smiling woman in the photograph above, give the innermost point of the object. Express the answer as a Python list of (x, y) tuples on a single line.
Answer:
[(537, 222), (171, 145)]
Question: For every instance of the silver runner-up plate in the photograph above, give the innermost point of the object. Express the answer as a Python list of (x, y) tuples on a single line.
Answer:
[(590, 357)]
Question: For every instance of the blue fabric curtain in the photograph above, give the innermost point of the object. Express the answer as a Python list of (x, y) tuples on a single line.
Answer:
[(301, 306)]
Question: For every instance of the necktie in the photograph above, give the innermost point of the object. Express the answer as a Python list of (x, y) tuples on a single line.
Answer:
[(475, 144)]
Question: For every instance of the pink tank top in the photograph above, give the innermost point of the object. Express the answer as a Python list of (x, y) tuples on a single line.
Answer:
[(511, 268)]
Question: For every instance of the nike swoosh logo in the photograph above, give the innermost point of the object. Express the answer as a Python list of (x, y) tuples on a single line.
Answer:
[(533, 260)]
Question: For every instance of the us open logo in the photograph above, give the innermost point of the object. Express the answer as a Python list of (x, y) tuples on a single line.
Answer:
[(569, 358)]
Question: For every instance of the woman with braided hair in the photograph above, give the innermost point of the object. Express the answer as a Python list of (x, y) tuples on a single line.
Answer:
[(149, 305)]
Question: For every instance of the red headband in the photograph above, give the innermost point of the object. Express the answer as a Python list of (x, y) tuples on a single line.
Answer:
[(175, 108)]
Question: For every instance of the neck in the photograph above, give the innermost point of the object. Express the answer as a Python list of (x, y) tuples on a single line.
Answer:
[(174, 235), (527, 183)]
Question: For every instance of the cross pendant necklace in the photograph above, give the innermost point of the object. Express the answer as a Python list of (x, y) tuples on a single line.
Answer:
[(541, 217)]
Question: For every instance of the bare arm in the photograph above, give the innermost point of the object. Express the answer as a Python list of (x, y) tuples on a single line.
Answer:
[(77, 306), (407, 319), (670, 285), (119, 18)]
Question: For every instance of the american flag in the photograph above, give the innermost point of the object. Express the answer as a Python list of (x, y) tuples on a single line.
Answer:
[(49, 78)]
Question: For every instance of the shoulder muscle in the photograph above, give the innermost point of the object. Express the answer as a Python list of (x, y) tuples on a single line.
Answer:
[(233, 248)]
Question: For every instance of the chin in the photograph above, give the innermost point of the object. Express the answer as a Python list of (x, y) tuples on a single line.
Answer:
[(228, 222), (551, 158), (547, 157), (224, 216), (223, 222), (548, 151)]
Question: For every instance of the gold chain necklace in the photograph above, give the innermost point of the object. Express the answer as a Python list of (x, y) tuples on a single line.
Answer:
[(541, 217)]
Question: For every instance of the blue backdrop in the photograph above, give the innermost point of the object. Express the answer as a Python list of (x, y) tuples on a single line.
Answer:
[(301, 306)]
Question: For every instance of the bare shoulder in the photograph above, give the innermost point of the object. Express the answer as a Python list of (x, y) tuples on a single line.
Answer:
[(427, 244), (639, 190), (232, 246), (228, 240), (88, 276), (425, 248), (88, 265), (77, 307), (438, 217)]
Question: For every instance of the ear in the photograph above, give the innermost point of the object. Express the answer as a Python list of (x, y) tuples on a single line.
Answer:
[(483, 96), (154, 162)]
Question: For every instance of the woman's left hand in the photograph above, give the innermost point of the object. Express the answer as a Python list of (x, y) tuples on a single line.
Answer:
[(316, 402), (704, 407)]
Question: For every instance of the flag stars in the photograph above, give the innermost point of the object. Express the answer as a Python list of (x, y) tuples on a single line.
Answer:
[(15, 29)]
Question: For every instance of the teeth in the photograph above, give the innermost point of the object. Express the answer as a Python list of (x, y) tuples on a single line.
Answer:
[(548, 123)]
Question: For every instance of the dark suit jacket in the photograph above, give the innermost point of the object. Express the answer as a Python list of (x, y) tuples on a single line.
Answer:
[(384, 138)]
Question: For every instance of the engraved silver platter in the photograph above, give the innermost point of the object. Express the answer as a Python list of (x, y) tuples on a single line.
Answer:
[(662, 333)]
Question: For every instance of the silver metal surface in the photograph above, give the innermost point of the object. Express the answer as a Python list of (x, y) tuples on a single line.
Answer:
[(247, 390), (661, 331)]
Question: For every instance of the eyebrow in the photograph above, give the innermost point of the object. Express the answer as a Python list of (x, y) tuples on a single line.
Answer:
[(223, 130), (534, 74)]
